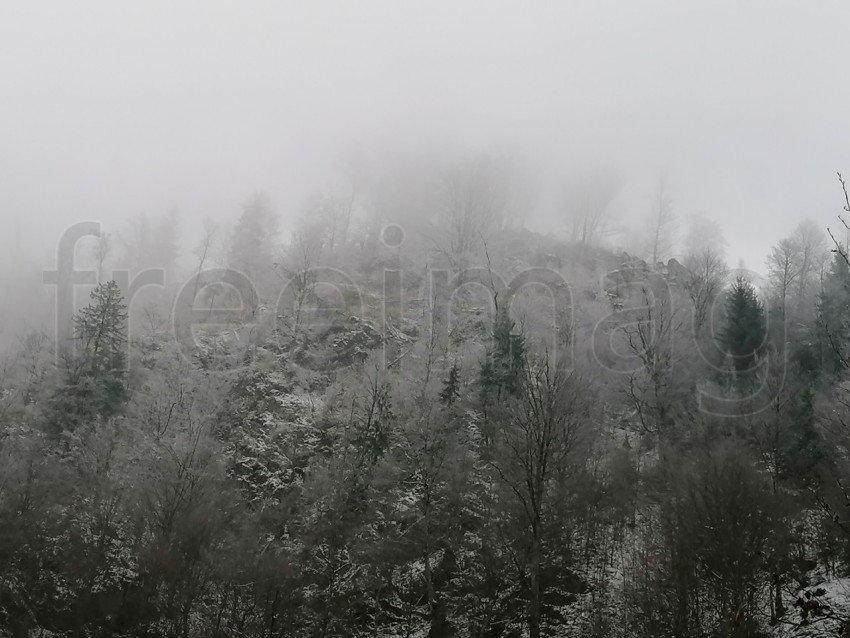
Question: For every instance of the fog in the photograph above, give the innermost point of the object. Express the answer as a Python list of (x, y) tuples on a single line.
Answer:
[(447, 319), (110, 109)]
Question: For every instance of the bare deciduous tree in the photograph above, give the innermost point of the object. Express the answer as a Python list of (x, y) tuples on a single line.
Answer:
[(478, 198), (537, 441), (783, 264), (587, 205), (661, 223), (656, 386), (811, 242), (702, 233), (333, 212), (299, 261), (202, 252), (706, 274), (101, 251), (842, 248)]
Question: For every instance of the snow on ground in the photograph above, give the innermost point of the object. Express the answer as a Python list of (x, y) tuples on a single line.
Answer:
[(830, 601)]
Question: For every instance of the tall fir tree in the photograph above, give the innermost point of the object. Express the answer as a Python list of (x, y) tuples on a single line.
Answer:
[(745, 332), (94, 375), (501, 372)]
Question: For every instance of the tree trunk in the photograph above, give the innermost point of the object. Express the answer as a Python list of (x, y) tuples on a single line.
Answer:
[(778, 606), (534, 602)]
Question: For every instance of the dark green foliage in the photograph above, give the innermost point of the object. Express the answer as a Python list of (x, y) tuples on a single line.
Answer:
[(744, 334), (501, 372), (451, 386), (805, 449), (95, 368), (806, 358)]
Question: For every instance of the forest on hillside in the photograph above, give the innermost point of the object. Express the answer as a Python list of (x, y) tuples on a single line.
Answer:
[(415, 417)]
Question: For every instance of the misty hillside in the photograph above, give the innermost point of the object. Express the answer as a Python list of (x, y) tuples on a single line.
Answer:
[(424, 320), (451, 427)]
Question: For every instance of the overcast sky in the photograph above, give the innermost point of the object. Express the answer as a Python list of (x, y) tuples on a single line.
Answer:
[(118, 107)]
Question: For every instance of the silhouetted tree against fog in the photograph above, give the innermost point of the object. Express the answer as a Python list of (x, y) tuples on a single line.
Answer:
[(587, 201), (299, 258), (101, 252), (151, 242), (705, 276), (478, 198), (784, 271), (811, 241), (658, 385), (661, 223), (745, 331), (705, 266), (333, 212), (701, 233), (251, 247), (796, 265), (203, 253)]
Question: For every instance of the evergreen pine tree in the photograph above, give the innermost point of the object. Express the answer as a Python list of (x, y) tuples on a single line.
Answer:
[(94, 376), (745, 331), (501, 373), (451, 386)]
